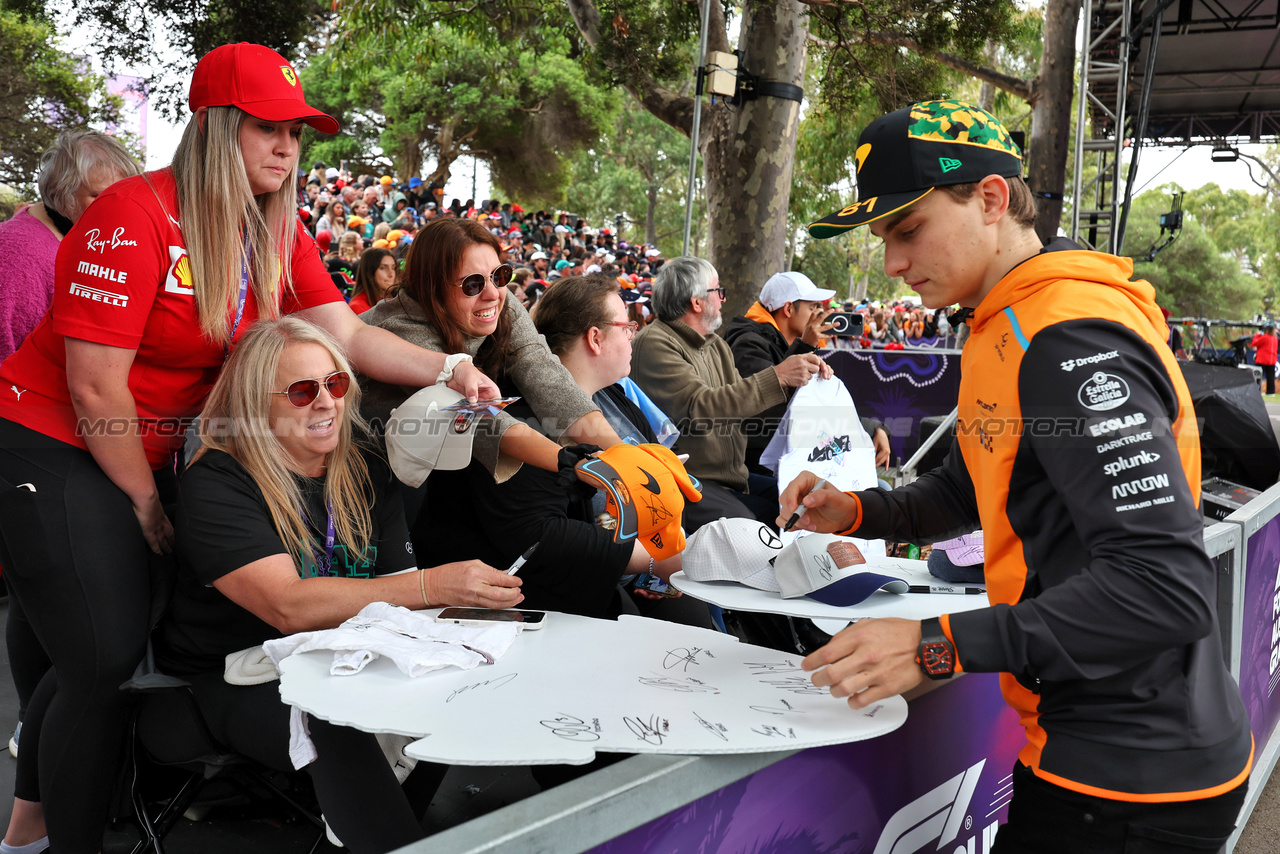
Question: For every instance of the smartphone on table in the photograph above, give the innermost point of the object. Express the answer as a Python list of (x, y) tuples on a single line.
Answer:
[(531, 620)]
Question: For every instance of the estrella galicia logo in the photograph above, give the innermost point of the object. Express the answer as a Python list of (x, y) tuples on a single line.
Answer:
[(936, 815), (1103, 391)]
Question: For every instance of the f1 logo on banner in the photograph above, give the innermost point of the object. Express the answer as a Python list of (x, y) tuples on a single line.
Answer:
[(936, 815)]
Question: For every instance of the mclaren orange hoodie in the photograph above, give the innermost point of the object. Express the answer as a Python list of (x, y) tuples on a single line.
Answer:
[(1078, 456)]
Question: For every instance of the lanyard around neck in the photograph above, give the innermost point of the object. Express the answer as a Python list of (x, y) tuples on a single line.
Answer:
[(324, 562), (244, 288)]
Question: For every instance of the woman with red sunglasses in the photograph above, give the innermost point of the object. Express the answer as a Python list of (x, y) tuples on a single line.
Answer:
[(453, 298), (287, 523), (155, 284)]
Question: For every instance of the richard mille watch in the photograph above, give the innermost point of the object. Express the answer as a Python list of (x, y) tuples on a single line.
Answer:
[(936, 654)]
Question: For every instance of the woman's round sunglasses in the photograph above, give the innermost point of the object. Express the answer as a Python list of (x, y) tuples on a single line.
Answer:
[(303, 392), (472, 285)]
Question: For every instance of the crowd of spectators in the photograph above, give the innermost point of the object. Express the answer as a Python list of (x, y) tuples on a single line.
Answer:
[(602, 340), (349, 215)]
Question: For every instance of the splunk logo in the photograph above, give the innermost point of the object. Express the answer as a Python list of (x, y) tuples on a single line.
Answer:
[(937, 816)]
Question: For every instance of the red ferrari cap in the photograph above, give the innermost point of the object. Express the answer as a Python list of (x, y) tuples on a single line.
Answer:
[(257, 80)]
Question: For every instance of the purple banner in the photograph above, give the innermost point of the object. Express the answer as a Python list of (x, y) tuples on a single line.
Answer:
[(1260, 643), (899, 387), (939, 783)]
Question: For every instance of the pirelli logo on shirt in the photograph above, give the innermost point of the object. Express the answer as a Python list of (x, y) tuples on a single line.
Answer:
[(99, 295)]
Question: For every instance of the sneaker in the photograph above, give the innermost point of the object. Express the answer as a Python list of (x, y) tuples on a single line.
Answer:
[(13, 740)]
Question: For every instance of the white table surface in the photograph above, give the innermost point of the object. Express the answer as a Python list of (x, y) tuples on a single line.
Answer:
[(580, 685)]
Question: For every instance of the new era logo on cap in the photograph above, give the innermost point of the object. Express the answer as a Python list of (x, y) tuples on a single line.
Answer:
[(949, 164)]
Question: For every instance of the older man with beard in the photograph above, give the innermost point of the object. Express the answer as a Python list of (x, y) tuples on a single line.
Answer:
[(688, 371)]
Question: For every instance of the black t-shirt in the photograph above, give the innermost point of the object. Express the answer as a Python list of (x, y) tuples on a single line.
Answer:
[(223, 524), (338, 264)]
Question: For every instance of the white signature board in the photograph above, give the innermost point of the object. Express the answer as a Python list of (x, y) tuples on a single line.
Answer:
[(581, 685)]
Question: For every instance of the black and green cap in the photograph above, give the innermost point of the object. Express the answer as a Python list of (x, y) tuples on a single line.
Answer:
[(902, 156)]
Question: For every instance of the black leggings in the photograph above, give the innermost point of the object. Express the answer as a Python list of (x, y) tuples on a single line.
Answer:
[(27, 662), (361, 800), (79, 568)]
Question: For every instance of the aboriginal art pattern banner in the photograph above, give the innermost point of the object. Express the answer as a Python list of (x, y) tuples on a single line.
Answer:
[(942, 782), (899, 387), (1260, 640)]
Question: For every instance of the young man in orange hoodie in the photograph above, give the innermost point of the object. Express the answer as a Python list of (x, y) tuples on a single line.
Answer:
[(1078, 457)]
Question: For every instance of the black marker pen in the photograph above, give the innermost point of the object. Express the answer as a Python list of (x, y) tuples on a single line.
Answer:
[(515, 567)]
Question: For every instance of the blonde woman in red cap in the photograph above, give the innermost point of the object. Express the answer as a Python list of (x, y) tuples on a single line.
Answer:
[(154, 284)]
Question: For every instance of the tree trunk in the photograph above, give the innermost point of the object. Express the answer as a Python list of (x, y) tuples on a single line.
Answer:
[(748, 155), (443, 170), (651, 215), (1051, 114), (987, 92)]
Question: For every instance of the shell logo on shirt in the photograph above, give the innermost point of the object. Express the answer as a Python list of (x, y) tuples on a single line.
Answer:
[(178, 279)]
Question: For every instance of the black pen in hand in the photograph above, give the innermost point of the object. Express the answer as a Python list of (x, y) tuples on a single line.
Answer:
[(515, 567), (801, 509)]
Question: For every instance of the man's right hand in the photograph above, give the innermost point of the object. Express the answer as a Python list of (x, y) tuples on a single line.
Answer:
[(796, 371), (829, 509)]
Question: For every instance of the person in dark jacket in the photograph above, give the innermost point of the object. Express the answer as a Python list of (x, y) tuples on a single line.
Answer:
[(577, 567), (788, 318)]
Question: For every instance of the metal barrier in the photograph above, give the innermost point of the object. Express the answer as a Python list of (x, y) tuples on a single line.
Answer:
[(593, 809), (1255, 645), (602, 806)]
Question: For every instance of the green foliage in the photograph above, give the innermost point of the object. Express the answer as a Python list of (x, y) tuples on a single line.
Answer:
[(135, 32), (1247, 226), (639, 170), (847, 262), (45, 91), (523, 112), (1195, 276), (856, 62)]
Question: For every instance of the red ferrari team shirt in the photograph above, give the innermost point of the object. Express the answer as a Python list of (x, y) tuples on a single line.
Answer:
[(123, 279)]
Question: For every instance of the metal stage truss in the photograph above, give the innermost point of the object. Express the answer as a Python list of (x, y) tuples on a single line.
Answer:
[(1166, 72)]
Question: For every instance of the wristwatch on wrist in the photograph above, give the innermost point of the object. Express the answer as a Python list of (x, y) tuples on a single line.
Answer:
[(936, 654)]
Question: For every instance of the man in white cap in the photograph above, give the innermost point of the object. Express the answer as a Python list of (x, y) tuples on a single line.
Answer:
[(788, 319), (539, 262), (689, 373)]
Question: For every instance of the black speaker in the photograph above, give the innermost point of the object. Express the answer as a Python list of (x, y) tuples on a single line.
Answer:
[(1237, 442), (935, 455)]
